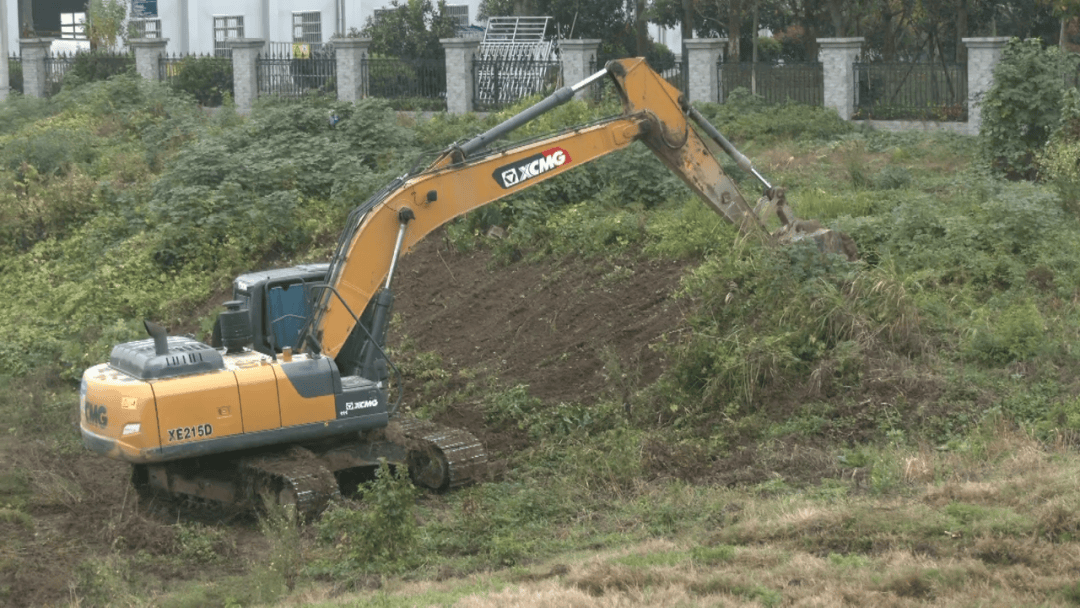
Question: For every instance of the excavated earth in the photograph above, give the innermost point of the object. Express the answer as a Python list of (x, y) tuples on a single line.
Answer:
[(561, 328)]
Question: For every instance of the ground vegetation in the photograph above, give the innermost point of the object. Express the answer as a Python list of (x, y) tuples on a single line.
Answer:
[(677, 415)]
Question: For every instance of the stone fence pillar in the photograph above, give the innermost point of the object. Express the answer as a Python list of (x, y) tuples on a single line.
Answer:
[(245, 52), (459, 73), (983, 56), (837, 56), (148, 52), (703, 75), (33, 52), (578, 58), (352, 74)]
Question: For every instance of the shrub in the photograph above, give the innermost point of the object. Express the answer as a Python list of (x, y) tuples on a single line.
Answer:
[(1015, 334), (209, 79), (91, 67), (1023, 105), (747, 118), (383, 533)]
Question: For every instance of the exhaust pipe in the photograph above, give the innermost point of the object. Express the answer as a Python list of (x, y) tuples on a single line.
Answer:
[(160, 336)]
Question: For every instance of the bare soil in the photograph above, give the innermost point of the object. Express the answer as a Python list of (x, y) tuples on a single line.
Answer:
[(560, 328)]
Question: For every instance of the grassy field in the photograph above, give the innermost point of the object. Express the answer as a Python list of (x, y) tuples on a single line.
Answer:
[(676, 415)]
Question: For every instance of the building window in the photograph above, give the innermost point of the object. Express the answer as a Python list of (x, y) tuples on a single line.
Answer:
[(459, 13), (226, 27), (144, 9), (145, 28), (307, 27), (73, 26)]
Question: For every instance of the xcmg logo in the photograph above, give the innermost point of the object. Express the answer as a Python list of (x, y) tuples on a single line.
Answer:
[(96, 415), (525, 169)]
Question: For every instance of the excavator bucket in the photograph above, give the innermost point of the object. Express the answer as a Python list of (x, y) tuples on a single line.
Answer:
[(793, 229)]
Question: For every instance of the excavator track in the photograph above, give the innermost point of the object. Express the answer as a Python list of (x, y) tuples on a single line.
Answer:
[(441, 458), (296, 477)]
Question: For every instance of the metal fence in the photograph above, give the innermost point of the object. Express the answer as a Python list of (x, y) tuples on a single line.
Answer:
[(15, 79), (906, 91), (775, 83), (56, 67), (298, 50), (410, 84), (91, 66), (501, 81), (288, 76)]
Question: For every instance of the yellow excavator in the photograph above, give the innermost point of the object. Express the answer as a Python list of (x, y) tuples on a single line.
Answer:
[(292, 398)]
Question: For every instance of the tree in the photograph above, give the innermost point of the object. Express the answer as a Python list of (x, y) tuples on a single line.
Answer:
[(410, 29), (105, 23)]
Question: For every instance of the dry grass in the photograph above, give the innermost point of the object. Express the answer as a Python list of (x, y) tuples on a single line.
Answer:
[(994, 525)]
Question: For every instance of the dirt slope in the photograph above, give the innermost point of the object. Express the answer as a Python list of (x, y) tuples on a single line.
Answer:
[(551, 326)]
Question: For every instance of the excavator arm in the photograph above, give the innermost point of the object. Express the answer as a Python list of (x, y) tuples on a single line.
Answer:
[(468, 176)]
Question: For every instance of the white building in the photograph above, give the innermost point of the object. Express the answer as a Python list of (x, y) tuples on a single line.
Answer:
[(201, 26)]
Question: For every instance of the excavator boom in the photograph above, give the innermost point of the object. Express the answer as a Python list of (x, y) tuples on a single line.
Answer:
[(465, 178)]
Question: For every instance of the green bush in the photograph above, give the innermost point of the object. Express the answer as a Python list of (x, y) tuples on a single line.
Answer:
[(208, 79), (747, 118), (1016, 333), (245, 192), (91, 67), (383, 534), (1023, 105)]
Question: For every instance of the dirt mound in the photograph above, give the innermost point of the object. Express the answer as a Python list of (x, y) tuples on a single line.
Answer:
[(561, 328)]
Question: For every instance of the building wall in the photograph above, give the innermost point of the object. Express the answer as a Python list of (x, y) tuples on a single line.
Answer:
[(189, 24), (11, 20)]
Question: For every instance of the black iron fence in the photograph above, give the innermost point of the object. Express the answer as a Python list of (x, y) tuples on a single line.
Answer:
[(56, 67), (15, 77), (906, 91), (410, 84), (775, 83), (88, 66), (289, 76), (209, 78), (501, 81)]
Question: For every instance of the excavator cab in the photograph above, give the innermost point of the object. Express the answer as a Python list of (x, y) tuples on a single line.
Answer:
[(278, 303)]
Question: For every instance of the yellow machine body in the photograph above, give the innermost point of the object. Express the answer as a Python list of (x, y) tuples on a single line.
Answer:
[(252, 401)]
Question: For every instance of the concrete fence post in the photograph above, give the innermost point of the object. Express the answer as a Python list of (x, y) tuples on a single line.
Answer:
[(703, 74), (148, 53), (578, 58), (983, 56), (352, 77), (34, 52), (245, 52), (459, 73), (837, 57)]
